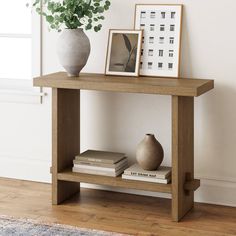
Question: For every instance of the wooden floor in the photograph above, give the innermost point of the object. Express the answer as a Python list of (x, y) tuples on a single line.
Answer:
[(135, 215)]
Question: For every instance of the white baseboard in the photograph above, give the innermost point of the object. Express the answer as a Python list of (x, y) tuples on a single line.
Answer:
[(216, 191), (25, 169), (212, 190)]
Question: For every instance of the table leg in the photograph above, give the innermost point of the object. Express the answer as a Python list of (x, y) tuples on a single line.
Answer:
[(65, 140), (182, 154)]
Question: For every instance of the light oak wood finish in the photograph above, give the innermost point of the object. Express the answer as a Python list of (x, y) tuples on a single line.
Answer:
[(65, 140), (66, 143), (68, 175), (124, 213), (147, 85), (182, 154)]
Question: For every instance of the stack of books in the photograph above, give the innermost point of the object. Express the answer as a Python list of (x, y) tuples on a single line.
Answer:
[(100, 163), (161, 175)]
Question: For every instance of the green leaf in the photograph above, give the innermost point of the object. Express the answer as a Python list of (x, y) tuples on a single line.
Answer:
[(88, 26), (100, 9), (36, 2), (107, 3), (38, 10), (72, 13), (49, 19)]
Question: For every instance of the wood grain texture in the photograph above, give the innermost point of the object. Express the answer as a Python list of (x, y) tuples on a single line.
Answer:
[(146, 85), (65, 139), (182, 154), (124, 213), (192, 185), (68, 175), (66, 132)]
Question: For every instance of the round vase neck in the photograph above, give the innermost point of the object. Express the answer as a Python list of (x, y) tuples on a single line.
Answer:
[(80, 29)]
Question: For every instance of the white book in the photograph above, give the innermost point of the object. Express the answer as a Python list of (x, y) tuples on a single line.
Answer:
[(96, 172), (163, 172), (146, 179), (98, 168)]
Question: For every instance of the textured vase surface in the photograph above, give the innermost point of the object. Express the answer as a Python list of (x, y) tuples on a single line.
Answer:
[(73, 49), (149, 153)]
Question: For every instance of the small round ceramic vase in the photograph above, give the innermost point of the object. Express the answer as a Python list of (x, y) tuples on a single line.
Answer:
[(73, 49), (149, 153)]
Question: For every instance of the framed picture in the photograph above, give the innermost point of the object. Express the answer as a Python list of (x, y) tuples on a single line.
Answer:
[(161, 42), (123, 53)]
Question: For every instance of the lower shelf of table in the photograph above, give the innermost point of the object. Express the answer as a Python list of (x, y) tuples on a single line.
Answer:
[(70, 176)]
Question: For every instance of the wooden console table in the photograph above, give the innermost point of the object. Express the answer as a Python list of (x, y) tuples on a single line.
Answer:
[(66, 133)]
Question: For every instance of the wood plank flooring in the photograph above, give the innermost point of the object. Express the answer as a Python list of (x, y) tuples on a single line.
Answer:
[(135, 215)]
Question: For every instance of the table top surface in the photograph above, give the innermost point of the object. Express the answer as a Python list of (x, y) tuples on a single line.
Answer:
[(146, 85)]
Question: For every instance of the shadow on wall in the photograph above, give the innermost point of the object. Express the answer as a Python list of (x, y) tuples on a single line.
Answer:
[(186, 67), (96, 119), (217, 119)]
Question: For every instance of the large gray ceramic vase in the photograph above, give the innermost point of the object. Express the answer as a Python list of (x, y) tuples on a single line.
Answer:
[(73, 49), (149, 153)]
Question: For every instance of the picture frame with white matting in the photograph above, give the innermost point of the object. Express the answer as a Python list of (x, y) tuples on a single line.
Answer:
[(161, 42)]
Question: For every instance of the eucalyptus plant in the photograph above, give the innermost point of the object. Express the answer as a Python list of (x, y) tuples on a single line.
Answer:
[(73, 14)]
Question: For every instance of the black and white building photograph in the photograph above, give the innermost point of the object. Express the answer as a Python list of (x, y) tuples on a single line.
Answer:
[(161, 40)]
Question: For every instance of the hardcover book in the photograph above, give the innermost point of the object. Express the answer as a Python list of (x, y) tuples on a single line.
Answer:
[(163, 172), (100, 156), (101, 164), (101, 168), (146, 179), (98, 172)]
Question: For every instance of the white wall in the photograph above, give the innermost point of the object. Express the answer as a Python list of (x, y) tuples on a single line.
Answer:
[(119, 121)]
